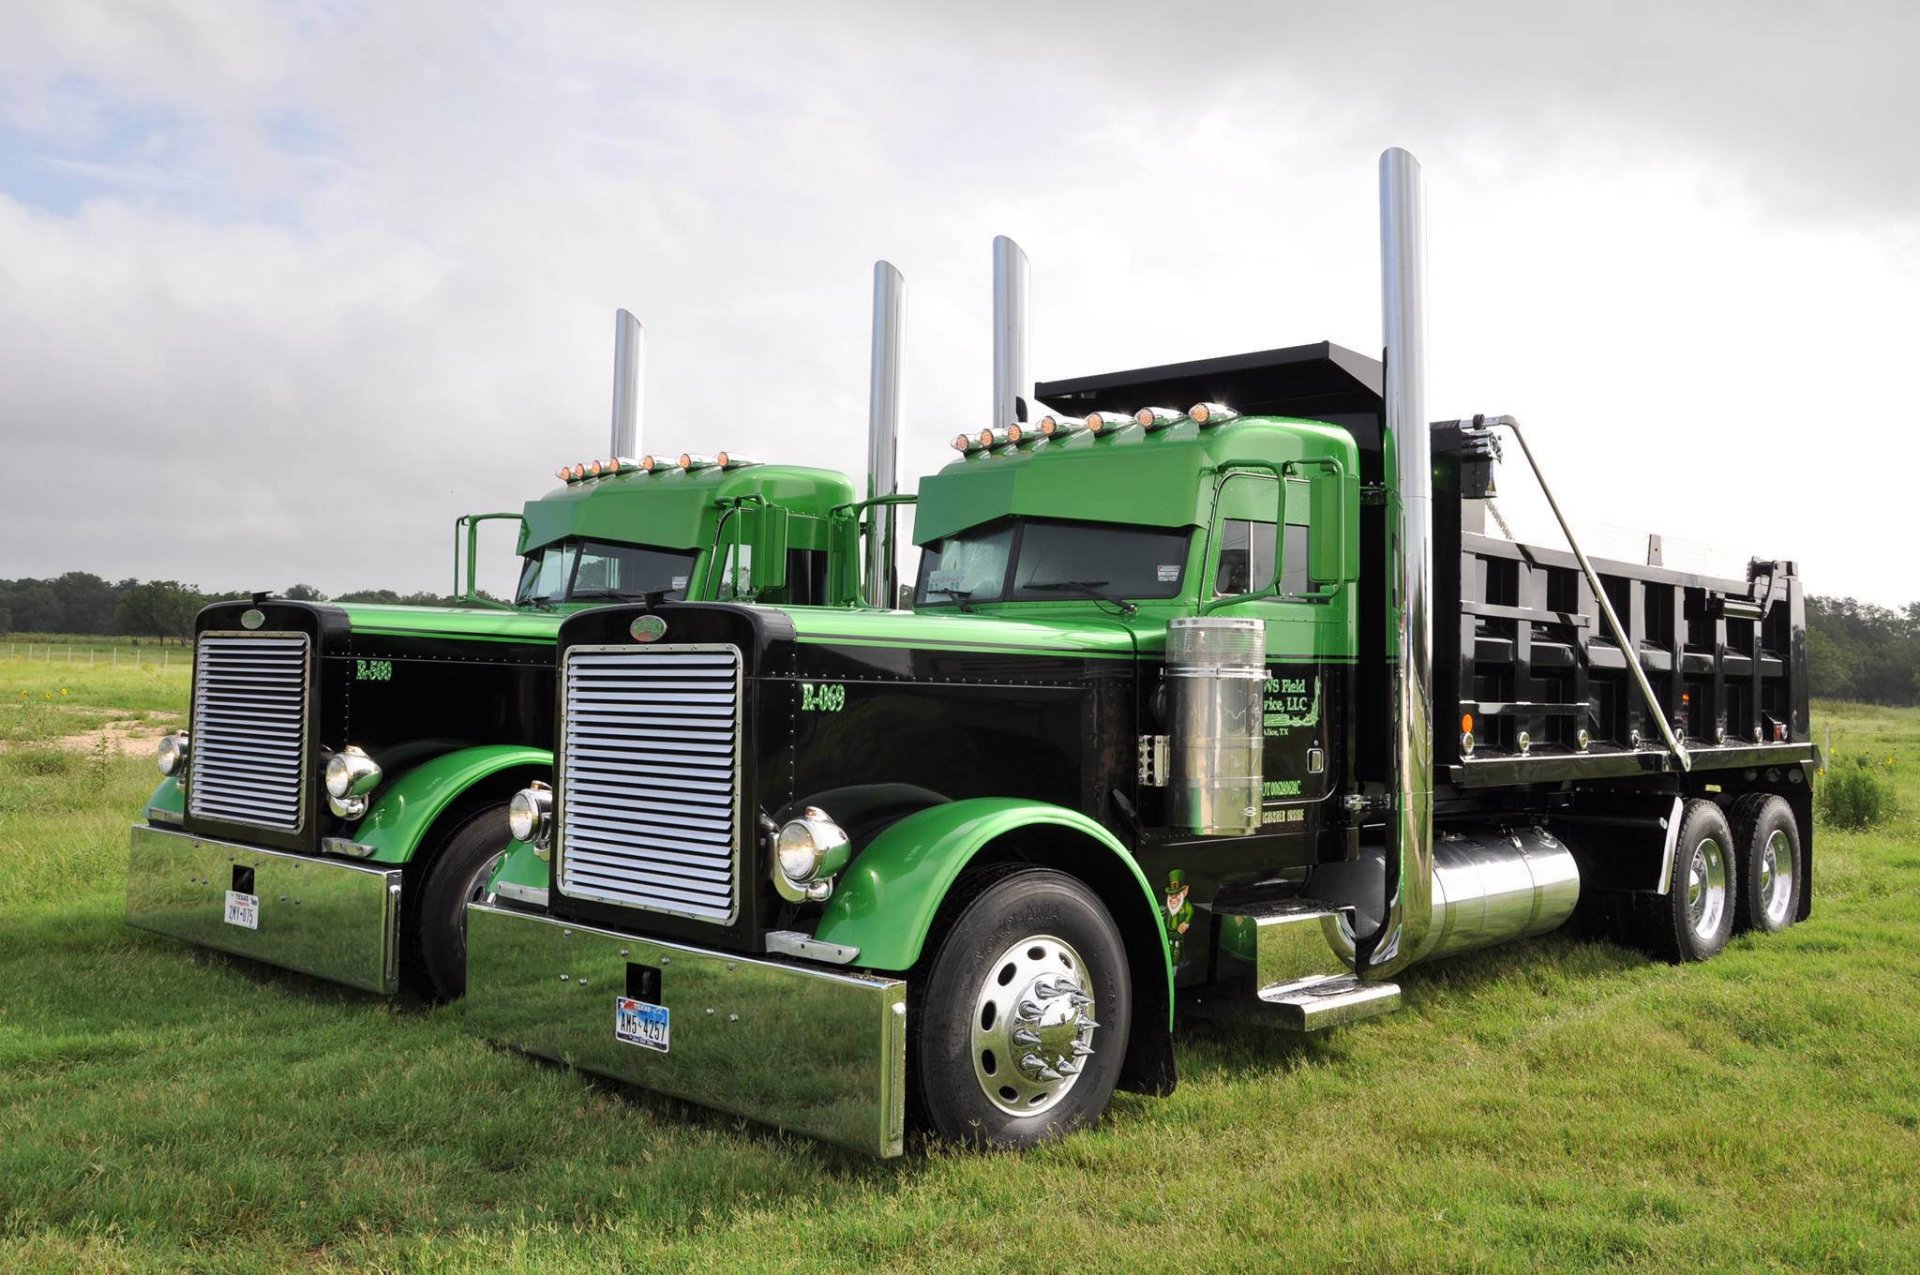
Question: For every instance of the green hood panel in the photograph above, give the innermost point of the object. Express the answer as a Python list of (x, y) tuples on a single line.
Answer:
[(483, 625), (674, 509), (1075, 635)]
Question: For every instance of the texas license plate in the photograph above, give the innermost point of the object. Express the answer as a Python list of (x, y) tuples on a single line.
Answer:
[(640, 1023), (243, 910)]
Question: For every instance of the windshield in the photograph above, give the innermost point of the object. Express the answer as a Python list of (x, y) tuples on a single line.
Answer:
[(1045, 559), (579, 570)]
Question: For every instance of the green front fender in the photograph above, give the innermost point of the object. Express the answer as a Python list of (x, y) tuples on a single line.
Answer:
[(168, 799), (408, 806), (886, 903)]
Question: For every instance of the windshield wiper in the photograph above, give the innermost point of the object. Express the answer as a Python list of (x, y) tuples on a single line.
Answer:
[(1084, 586), (964, 597)]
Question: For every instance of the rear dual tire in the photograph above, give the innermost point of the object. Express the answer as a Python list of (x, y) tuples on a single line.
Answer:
[(1693, 920), (1767, 876)]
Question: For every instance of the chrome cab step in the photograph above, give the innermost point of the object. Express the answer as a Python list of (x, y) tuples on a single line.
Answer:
[(1315, 1004), (1301, 951)]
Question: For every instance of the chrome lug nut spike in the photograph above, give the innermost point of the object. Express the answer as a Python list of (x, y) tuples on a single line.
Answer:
[(1028, 1010), (1025, 1038), (1066, 1068), (1087, 1024), (1080, 1000), (1082, 1050), (1048, 1073), (1032, 1064)]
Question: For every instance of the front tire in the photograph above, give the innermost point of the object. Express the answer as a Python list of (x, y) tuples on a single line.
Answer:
[(1766, 843), (1694, 918), (459, 876), (1007, 1050)]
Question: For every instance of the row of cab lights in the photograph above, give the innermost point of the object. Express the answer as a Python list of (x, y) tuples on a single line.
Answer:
[(1103, 424), (687, 463)]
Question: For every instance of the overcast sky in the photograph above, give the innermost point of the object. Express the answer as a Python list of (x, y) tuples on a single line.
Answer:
[(284, 288)]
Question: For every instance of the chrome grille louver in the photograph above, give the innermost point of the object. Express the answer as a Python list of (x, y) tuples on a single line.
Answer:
[(650, 778), (249, 729)]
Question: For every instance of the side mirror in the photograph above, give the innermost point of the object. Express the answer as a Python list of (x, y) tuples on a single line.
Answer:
[(1331, 558), (768, 528)]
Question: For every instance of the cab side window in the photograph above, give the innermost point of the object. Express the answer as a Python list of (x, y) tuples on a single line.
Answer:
[(1243, 562)]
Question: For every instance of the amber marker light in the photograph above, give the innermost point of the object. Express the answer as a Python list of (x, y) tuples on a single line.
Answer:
[(1061, 426), (1208, 414), (1151, 418), (963, 443), (563, 473), (593, 469), (577, 473), (649, 463), (689, 461)]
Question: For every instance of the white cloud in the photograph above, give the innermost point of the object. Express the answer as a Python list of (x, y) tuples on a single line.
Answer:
[(339, 273)]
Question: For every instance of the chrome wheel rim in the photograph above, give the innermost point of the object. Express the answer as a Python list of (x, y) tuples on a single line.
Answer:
[(1033, 1025), (1706, 889), (477, 891), (1776, 878)]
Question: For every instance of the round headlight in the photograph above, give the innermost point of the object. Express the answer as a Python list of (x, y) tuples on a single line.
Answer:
[(351, 773), (171, 756), (530, 814), (809, 848)]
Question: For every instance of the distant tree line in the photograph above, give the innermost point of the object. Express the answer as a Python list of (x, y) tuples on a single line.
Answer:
[(82, 603), (1855, 650), (1859, 651)]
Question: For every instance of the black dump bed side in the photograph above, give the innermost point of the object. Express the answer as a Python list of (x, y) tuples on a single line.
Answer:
[(1527, 654)]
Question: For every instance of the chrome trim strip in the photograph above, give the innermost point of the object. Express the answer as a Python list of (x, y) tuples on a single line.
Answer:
[(533, 894), (172, 818), (817, 1052), (334, 920), (1673, 841), (794, 943)]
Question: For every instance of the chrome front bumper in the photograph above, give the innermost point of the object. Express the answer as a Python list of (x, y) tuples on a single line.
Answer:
[(338, 921), (819, 1052)]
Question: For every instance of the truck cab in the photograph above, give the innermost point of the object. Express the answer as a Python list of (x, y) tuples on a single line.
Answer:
[(340, 790)]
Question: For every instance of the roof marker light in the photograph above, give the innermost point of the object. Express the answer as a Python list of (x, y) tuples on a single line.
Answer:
[(690, 462), (1107, 422), (577, 473), (992, 438), (1152, 418), (563, 473), (728, 460), (1061, 426), (651, 463), (964, 443), (593, 468), (1210, 414)]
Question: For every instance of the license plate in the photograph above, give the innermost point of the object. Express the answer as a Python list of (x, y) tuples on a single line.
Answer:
[(639, 1023), (243, 910)]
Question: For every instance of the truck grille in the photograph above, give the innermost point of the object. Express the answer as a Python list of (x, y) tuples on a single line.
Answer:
[(649, 779), (249, 729)]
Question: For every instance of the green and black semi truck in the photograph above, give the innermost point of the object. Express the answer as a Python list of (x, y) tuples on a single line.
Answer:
[(341, 787), (1213, 687)]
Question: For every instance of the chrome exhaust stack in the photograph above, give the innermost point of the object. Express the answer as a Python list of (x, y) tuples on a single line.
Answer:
[(629, 365), (1408, 462), (1011, 385), (883, 434)]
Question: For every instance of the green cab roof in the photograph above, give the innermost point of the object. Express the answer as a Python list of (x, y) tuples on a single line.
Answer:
[(1132, 477), (674, 509)]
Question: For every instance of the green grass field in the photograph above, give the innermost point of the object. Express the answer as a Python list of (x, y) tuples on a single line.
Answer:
[(1547, 1106)]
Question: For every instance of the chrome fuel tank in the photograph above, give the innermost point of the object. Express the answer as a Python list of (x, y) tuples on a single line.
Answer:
[(1216, 669)]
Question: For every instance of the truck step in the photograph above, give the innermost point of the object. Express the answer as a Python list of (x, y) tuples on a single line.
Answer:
[(1315, 1004)]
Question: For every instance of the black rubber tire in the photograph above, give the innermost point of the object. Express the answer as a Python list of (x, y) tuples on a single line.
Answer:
[(440, 920), (990, 911), (1662, 923), (1755, 818)]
